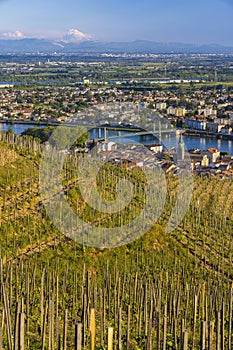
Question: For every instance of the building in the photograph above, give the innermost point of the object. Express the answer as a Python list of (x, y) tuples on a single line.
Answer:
[(209, 111), (157, 148), (171, 110), (214, 127), (195, 124), (213, 154), (161, 105), (199, 159), (180, 112), (106, 146), (226, 130), (224, 121), (4, 86)]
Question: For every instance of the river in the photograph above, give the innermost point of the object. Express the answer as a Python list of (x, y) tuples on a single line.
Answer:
[(168, 140)]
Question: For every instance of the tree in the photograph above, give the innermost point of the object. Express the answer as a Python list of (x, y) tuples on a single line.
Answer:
[(69, 137), (61, 137), (43, 134)]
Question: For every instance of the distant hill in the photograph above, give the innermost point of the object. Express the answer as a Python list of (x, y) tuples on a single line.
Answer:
[(138, 46), (27, 46)]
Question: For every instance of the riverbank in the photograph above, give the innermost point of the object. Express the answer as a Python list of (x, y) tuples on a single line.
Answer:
[(211, 135), (28, 122), (184, 132), (192, 140), (54, 123)]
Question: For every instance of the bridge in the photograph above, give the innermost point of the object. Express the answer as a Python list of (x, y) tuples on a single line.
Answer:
[(102, 133)]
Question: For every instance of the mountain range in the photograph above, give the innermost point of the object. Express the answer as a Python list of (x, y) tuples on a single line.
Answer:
[(31, 45)]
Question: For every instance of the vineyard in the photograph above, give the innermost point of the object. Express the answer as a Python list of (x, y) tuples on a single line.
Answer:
[(164, 291)]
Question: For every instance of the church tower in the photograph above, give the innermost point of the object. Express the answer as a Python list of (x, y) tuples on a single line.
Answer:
[(180, 149)]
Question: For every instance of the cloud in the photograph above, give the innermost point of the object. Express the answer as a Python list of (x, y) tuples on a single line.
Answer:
[(75, 35), (12, 35)]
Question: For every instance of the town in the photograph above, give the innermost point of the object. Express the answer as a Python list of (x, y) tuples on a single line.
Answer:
[(194, 94)]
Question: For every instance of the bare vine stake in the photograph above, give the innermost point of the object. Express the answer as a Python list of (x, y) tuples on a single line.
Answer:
[(218, 338), (194, 319), (211, 333), (42, 301), (16, 330), (157, 330), (119, 330), (185, 340), (8, 318), (110, 338), (149, 334), (65, 330), (21, 330), (101, 318), (165, 327), (222, 326), (1, 348), (44, 327), (203, 335), (92, 329), (230, 320), (128, 327), (78, 337)]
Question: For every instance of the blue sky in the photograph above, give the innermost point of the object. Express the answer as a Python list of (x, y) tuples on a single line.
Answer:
[(206, 21)]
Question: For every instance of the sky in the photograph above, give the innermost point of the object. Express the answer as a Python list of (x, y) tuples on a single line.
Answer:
[(187, 21)]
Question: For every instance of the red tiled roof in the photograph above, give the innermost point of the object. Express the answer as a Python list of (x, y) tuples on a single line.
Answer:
[(213, 150)]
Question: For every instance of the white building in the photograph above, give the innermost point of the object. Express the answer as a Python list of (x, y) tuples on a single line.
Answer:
[(209, 111), (213, 154), (171, 110), (106, 146), (157, 148), (180, 112), (161, 105)]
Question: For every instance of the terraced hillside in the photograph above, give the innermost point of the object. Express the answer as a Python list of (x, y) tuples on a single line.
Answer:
[(162, 291)]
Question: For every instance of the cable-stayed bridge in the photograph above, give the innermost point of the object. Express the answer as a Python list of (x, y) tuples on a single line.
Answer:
[(102, 133)]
